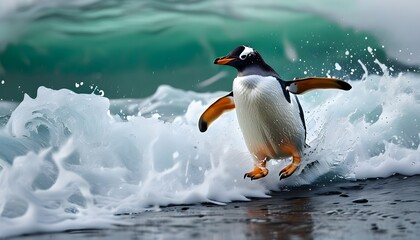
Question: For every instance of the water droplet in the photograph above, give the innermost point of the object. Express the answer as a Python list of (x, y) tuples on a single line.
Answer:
[(337, 66)]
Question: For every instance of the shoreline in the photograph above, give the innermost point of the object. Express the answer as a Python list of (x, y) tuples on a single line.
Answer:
[(365, 209)]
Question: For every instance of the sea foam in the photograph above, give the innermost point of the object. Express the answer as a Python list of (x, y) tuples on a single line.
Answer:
[(71, 161)]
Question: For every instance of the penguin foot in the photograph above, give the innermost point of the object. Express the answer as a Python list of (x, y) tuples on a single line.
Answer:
[(290, 169), (257, 173)]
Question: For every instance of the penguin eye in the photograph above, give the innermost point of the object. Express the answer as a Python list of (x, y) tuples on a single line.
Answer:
[(243, 56)]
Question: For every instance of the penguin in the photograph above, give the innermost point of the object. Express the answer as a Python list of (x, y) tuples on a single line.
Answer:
[(270, 116)]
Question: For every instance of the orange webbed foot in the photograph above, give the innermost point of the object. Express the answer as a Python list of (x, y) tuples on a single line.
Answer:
[(287, 171), (257, 173), (290, 169)]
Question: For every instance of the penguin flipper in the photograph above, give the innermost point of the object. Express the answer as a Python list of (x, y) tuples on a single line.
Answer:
[(215, 110), (304, 85)]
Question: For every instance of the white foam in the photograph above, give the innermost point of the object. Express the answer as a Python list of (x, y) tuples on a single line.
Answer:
[(71, 164), (118, 166)]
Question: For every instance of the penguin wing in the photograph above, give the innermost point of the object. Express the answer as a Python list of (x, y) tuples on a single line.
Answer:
[(215, 110), (304, 85)]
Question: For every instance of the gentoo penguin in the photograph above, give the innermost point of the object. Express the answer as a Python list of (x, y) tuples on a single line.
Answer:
[(270, 118)]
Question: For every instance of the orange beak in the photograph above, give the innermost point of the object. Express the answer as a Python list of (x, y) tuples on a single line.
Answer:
[(223, 60)]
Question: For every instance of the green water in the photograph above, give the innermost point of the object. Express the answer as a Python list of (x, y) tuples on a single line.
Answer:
[(129, 57)]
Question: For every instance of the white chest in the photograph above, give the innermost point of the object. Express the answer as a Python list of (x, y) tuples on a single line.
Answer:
[(266, 118)]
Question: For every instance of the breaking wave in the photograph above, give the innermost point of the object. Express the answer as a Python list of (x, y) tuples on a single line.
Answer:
[(72, 161)]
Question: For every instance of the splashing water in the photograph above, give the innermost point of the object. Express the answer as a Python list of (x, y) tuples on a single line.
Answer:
[(72, 161)]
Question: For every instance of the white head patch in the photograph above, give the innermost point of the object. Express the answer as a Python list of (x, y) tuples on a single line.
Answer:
[(245, 52)]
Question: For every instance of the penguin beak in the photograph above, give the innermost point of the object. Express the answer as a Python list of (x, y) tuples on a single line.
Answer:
[(223, 60)]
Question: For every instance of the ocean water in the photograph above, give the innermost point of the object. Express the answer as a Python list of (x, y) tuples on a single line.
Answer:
[(126, 49), (100, 102)]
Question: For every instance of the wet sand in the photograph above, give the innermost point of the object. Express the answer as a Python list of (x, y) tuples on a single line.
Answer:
[(372, 209)]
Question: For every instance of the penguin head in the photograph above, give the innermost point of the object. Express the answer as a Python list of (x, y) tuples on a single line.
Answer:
[(247, 61)]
